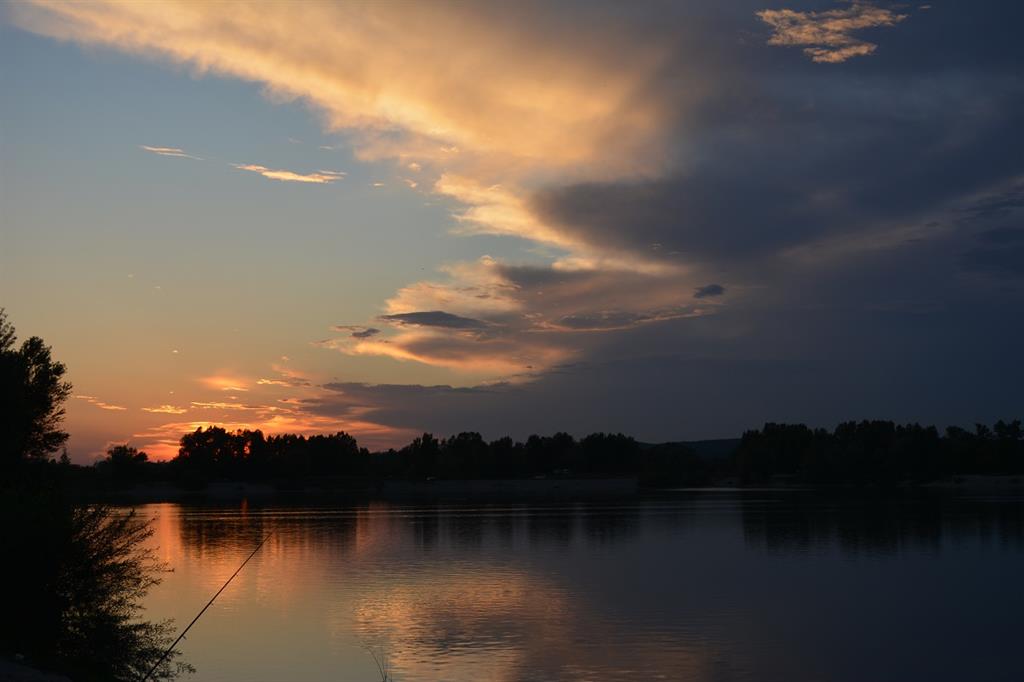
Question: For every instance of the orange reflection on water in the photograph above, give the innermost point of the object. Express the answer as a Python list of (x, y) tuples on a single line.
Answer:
[(440, 598)]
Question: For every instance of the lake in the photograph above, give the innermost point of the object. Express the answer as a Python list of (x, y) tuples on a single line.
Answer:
[(684, 585)]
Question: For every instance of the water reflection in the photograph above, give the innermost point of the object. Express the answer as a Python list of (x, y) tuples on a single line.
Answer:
[(681, 586), (882, 525)]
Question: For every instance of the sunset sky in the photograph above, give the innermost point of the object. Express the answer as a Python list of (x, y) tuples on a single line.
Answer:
[(677, 220)]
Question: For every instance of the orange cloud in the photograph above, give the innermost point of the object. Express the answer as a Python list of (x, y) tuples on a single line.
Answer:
[(165, 409), (828, 36), (496, 357), (213, 405), (492, 94), (498, 210), (93, 400), (496, 321), (225, 383), (519, 97)]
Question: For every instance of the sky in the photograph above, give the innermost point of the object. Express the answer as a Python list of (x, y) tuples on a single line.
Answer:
[(676, 220)]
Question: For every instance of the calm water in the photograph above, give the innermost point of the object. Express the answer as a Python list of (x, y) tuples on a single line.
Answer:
[(685, 586)]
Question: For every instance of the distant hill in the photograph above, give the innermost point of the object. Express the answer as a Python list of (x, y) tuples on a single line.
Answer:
[(712, 449)]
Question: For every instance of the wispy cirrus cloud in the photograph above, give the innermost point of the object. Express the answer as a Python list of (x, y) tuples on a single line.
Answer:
[(321, 177), (287, 376), (93, 400), (165, 409), (220, 405), (169, 151), (827, 37)]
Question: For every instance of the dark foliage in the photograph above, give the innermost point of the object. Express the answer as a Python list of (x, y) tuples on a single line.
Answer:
[(213, 453), (73, 596), (854, 453), (123, 465), (878, 453), (31, 399), (75, 574)]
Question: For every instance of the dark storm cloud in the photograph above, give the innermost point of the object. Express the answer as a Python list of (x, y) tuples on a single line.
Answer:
[(909, 154), (852, 164), (999, 251), (903, 359), (403, 406), (365, 392), (996, 224), (357, 331), (953, 36), (995, 206), (1005, 260), (794, 151), (1003, 235), (905, 159), (604, 320), (434, 318), (709, 290), (555, 291)]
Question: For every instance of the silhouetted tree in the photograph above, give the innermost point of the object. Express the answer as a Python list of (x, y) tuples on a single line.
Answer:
[(463, 456), (607, 453), (74, 575), (124, 464), (125, 456), (420, 456), (32, 394)]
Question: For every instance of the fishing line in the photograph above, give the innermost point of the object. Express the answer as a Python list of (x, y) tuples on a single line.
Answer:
[(212, 599)]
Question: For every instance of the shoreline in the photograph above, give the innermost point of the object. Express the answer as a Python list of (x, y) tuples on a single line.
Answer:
[(523, 489)]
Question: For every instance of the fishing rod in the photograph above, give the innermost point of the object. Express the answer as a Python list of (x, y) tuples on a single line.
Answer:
[(198, 615)]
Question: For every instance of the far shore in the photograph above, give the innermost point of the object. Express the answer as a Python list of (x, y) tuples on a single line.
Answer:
[(539, 488), (387, 489)]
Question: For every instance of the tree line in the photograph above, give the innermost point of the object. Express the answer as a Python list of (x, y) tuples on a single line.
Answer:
[(214, 453), (854, 453), (878, 452)]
